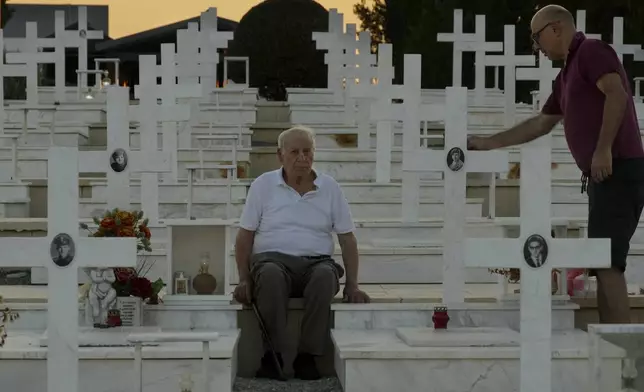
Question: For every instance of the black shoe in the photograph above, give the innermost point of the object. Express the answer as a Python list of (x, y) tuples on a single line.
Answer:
[(305, 367), (268, 368)]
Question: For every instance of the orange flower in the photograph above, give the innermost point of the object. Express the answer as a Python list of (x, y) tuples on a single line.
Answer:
[(125, 232), (108, 223), (145, 230), (126, 218)]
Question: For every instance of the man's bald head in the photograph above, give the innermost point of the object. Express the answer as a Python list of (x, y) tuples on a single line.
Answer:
[(553, 13), (553, 28)]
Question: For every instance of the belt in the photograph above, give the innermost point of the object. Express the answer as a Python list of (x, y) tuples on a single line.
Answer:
[(318, 257)]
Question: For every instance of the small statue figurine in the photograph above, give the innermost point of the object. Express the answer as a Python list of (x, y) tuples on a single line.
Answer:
[(102, 296)]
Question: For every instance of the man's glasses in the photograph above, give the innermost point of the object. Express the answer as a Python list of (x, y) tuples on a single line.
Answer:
[(537, 35)]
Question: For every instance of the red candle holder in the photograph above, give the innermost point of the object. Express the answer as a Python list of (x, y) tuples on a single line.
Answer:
[(440, 317), (114, 318)]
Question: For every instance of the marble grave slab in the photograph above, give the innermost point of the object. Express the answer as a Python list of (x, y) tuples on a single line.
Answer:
[(459, 337), (109, 337)]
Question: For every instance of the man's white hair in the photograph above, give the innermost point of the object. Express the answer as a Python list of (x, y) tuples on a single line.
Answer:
[(298, 129)]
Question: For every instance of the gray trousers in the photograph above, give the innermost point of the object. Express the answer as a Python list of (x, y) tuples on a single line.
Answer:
[(278, 277)]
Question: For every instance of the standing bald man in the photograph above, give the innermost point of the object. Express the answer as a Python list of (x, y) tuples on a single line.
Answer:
[(592, 96)]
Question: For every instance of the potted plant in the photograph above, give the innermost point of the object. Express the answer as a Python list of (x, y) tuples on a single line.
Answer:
[(132, 287), (7, 316)]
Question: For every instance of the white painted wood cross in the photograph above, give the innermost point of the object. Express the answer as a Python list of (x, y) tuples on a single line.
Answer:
[(581, 25), (358, 67), (510, 61), (618, 40), (7, 70), (536, 253), (380, 111), (187, 54), (455, 161), (118, 161), (544, 73), (468, 42), (210, 41), (62, 252), (85, 34), (31, 58), (331, 42), (169, 113)]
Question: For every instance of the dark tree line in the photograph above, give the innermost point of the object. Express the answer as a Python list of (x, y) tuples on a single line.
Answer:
[(412, 25)]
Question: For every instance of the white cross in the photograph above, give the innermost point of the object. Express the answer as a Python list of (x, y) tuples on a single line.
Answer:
[(169, 113), (330, 41), (618, 39), (62, 308), (7, 70), (545, 74), (187, 53), (85, 35), (381, 110), (581, 25), (31, 58), (467, 42), (536, 246), (210, 41), (118, 135), (509, 61), (455, 183)]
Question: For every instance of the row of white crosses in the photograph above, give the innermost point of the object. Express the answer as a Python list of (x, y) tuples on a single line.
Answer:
[(62, 308), (27, 51), (169, 113), (148, 160), (469, 42), (197, 52)]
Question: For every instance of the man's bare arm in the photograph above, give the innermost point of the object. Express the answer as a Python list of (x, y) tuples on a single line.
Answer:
[(614, 109), (349, 247), (243, 251), (526, 131)]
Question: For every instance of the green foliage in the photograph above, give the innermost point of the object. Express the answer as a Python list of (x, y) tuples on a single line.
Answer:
[(412, 26), (373, 18), (5, 13), (276, 36)]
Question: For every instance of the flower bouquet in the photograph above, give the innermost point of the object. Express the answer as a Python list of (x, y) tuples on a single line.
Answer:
[(130, 282), (6, 316)]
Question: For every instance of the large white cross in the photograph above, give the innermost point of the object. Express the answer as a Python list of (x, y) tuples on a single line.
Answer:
[(618, 39), (581, 25), (62, 308), (31, 58), (545, 74), (169, 113), (331, 42), (85, 34), (455, 184), (358, 67), (187, 53), (535, 247), (468, 42), (509, 61), (118, 137)]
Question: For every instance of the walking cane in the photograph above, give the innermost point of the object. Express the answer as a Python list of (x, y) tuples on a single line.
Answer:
[(269, 342)]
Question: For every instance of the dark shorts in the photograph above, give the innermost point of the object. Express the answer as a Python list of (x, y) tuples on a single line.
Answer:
[(615, 206)]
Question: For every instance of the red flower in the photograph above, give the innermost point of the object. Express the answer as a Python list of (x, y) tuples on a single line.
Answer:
[(141, 287), (146, 231), (108, 223), (124, 274)]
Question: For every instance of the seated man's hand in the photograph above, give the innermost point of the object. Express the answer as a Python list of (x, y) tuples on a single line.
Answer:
[(243, 293), (353, 295)]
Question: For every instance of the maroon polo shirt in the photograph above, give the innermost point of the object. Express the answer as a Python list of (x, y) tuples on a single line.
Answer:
[(575, 96)]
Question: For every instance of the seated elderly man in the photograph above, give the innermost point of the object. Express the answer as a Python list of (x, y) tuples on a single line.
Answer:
[(284, 250)]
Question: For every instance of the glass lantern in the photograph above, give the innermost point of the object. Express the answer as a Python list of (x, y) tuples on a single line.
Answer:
[(186, 383)]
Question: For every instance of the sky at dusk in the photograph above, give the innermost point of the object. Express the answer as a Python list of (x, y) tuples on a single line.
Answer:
[(131, 16)]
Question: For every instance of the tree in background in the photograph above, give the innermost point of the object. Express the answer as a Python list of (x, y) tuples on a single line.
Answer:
[(412, 26), (5, 13), (373, 17)]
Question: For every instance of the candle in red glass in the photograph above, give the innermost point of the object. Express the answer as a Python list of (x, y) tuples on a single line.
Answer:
[(440, 317)]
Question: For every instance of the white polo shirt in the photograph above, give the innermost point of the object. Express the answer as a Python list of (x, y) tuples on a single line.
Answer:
[(284, 221)]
